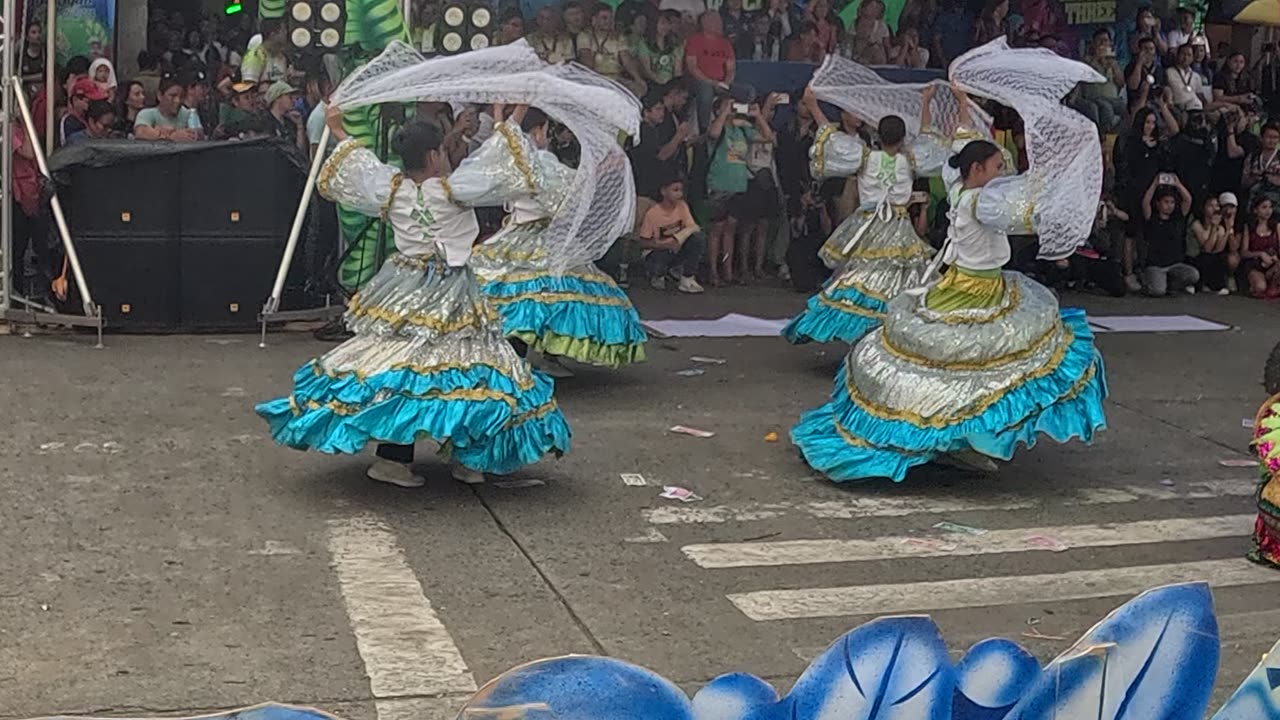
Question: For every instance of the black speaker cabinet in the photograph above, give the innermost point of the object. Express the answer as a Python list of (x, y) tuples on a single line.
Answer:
[(130, 199), (134, 280), (225, 280), (239, 190)]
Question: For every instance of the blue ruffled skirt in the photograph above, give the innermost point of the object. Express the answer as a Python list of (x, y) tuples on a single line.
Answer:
[(888, 258), (580, 314), (428, 361), (928, 383)]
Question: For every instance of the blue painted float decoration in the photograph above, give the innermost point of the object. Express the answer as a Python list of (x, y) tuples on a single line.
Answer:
[(1154, 657)]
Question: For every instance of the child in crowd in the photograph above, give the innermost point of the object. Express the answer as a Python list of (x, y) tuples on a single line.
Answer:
[(672, 242)]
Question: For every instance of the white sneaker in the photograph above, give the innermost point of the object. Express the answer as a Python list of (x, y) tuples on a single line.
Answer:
[(690, 285), (1131, 281), (1191, 289), (394, 473), (658, 283), (1224, 291), (784, 272), (552, 366), (466, 475)]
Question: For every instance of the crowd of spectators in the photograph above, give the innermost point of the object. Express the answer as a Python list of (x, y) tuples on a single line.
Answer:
[(1192, 157), (204, 79)]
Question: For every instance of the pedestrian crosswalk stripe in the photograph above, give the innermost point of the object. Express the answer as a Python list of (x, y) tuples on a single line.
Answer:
[(900, 505), (405, 647), (894, 598), (807, 552)]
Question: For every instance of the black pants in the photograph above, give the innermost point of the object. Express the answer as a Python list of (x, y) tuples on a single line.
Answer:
[(403, 454), (1104, 274), (687, 258), (33, 231), (1213, 269)]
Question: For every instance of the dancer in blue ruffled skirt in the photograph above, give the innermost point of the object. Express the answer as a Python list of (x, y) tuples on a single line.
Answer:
[(875, 252), (979, 363), (581, 313), (428, 360)]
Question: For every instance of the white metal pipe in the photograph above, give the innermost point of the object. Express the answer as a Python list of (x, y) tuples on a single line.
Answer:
[(273, 303), (6, 165), (50, 71), (58, 217)]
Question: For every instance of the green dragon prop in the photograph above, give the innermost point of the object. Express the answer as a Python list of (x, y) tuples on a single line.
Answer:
[(371, 26)]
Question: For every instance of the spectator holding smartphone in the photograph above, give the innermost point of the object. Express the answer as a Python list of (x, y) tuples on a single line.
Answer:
[(735, 128), (1165, 208), (1142, 74)]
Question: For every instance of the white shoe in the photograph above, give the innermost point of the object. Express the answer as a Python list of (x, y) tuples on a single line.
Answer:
[(690, 285), (466, 475), (552, 366), (1131, 281), (658, 283), (1224, 291), (1191, 289), (394, 473), (784, 272)]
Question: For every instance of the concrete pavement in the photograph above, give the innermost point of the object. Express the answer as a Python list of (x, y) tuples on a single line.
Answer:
[(165, 557)]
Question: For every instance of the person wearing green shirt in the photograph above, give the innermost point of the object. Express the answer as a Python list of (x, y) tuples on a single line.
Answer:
[(235, 114), (731, 134), (660, 54)]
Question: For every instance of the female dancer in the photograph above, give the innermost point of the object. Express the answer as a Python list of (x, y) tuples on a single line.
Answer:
[(882, 253), (581, 313), (978, 363), (428, 359), (1266, 442)]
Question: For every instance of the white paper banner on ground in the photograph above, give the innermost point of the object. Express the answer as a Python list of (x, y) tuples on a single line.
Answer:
[(1153, 323), (731, 325)]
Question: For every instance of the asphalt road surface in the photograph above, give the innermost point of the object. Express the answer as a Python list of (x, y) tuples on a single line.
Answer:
[(163, 556)]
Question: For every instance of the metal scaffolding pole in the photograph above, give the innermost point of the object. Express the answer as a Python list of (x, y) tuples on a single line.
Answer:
[(50, 72), (6, 164), (271, 309)]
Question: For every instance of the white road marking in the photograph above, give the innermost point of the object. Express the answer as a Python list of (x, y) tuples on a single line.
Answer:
[(807, 552), (651, 535), (900, 505), (992, 591), (406, 649), (276, 547)]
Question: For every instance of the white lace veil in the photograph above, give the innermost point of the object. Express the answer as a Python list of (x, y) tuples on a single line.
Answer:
[(861, 91), (1065, 155), (600, 206)]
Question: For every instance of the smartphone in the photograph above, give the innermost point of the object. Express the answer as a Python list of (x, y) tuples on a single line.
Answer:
[(784, 99), (741, 109), (1165, 179)]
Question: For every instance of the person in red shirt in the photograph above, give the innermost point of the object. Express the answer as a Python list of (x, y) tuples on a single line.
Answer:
[(825, 23), (709, 58), (29, 225)]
